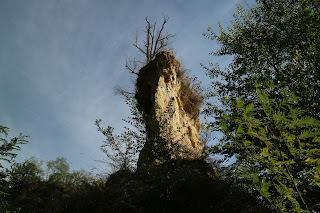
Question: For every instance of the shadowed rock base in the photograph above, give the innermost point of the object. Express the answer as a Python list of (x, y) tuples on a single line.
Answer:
[(177, 186)]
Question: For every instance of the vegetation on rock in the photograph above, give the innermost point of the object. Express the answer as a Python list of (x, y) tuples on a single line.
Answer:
[(191, 94)]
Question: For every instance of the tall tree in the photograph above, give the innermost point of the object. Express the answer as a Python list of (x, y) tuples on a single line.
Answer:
[(275, 41), (275, 46)]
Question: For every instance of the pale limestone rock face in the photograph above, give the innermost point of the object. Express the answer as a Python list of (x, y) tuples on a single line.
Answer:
[(171, 130)]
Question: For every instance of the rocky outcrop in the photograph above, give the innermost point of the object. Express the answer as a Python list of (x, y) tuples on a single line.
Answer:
[(172, 132)]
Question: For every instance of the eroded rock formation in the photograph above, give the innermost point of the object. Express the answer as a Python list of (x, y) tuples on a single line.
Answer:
[(172, 132)]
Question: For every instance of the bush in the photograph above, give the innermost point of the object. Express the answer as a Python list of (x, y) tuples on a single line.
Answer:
[(190, 93)]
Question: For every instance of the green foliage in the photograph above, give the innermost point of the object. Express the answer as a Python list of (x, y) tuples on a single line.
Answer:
[(7, 154), (163, 188), (58, 169), (25, 173), (30, 191), (276, 149), (7, 148), (276, 41), (273, 135)]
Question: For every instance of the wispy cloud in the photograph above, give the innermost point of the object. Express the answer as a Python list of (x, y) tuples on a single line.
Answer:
[(59, 61)]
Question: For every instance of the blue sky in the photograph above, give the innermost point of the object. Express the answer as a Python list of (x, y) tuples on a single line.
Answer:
[(60, 59)]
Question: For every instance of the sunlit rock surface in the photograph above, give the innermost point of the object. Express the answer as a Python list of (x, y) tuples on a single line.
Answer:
[(172, 132)]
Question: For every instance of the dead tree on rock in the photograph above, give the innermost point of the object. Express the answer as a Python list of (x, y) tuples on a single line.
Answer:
[(155, 42)]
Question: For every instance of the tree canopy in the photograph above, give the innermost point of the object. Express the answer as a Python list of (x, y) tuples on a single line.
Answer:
[(275, 41), (267, 100)]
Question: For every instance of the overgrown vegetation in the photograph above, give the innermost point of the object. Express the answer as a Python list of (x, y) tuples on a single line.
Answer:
[(163, 188), (190, 93), (31, 188)]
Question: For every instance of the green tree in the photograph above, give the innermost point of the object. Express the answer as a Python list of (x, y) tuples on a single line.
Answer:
[(277, 41), (76, 178), (23, 179), (30, 192), (58, 169), (275, 46), (26, 173)]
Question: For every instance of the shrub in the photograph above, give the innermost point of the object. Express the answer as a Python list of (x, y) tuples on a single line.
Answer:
[(190, 93)]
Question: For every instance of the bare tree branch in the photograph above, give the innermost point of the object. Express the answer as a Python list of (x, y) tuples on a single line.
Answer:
[(132, 65), (155, 42)]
